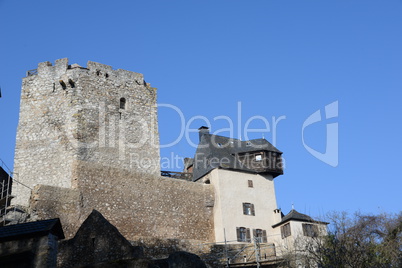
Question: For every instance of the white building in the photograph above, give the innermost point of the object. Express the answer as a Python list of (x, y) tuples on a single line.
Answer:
[(245, 210)]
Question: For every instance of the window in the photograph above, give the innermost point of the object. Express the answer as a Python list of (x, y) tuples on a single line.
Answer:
[(310, 230), (285, 230), (71, 82), (258, 157), (248, 209), (250, 183), (63, 85), (243, 234), (260, 235), (122, 103)]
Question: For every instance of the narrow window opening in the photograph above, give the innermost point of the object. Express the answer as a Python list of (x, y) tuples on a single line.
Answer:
[(71, 82), (54, 87), (250, 183), (122, 103), (98, 73), (106, 75), (63, 85)]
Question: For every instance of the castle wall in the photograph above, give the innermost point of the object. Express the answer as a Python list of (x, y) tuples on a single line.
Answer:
[(139, 205), (95, 114)]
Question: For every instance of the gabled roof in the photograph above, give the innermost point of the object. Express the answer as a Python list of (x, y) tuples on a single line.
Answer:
[(96, 241), (294, 215), (31, 229), (216, 151)]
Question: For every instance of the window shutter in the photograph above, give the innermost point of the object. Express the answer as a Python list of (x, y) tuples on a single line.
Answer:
[(254, 233), (238, 234), (248, 235), (244, 209), (316, 231), (264, 236), (285, 230), (252, 209)]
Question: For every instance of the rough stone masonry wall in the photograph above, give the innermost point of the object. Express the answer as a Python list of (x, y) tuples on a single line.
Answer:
[(70, 113), (29, 252), (139, 205)]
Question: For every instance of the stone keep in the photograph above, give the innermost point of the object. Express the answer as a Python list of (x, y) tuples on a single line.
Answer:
[(94, 114)]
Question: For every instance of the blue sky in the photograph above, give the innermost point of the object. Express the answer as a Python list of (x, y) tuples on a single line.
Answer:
[(274, 58)]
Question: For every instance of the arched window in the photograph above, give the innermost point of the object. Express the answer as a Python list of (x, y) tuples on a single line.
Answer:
[(122, 103)]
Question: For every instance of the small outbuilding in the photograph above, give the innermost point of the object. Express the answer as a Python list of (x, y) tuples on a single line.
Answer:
[(31, 244)]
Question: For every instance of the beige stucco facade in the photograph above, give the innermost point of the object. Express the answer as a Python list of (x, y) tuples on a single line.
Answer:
[(297, 239), (231, 191)]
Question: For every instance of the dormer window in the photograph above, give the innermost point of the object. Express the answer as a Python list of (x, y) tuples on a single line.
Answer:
[(123, 103)]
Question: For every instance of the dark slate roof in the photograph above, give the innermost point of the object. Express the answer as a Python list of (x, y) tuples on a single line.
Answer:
[(31, 229), (294, 215), (4, 175), (213, 148)]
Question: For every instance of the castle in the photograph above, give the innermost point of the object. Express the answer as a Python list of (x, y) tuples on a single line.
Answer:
[(88, 139)]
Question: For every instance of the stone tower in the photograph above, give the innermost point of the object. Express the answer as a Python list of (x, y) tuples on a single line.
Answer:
[(93, 114)]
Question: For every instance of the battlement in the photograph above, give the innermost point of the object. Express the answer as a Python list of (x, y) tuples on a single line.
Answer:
[(61, 67)]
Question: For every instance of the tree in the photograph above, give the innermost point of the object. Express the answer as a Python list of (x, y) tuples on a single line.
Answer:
[(353, 241)]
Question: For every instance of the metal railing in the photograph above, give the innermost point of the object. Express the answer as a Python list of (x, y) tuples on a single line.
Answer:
[(32, 72), (177, 175)]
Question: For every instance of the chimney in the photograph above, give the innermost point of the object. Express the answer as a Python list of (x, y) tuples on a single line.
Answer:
[(203, 130)]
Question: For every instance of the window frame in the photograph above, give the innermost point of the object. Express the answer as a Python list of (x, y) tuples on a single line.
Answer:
[(243, 234), (248, 209), (310, 230), (123, 103), (286, 230)]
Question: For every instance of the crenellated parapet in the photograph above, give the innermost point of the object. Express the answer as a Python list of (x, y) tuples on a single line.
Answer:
[(64, 75)]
